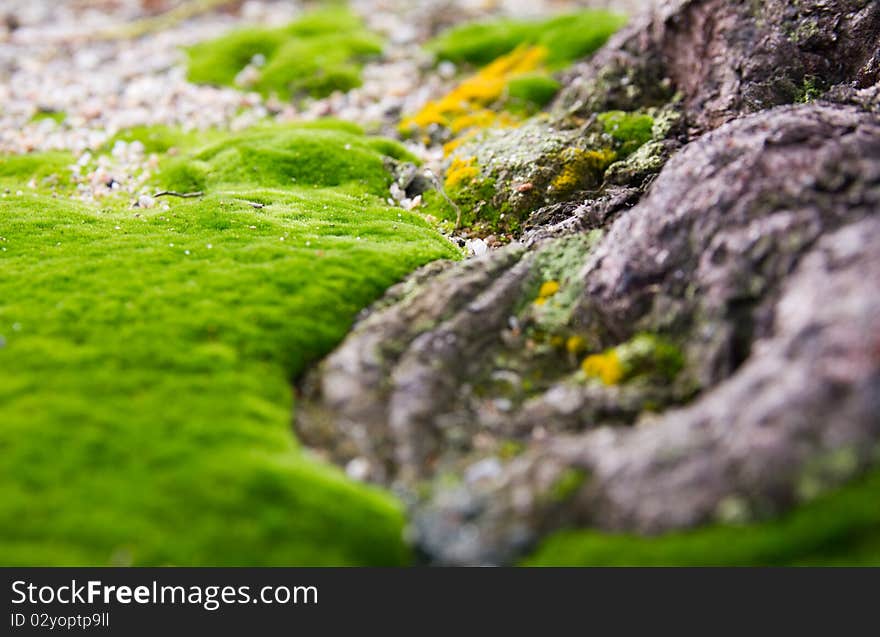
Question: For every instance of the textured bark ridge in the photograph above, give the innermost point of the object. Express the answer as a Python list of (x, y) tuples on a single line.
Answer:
[(731, 58), (727, 310)]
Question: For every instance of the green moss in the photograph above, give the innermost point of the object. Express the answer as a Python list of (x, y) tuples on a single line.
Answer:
[(55, 116), (571, 37), (320, 53), (324, 154), (649, 354), (219, 61), (475, 200), (529, 93), (146, 357), (566, 37), (283, 156), (161, 139), (479, 43), (48, 170), (838, 528), (183, 175), (629, 130)]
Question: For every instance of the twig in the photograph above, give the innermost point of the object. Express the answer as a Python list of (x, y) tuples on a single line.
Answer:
[(183, 195), (189, 9)]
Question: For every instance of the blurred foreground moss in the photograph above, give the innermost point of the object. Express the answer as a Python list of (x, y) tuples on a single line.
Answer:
[(838, 528)]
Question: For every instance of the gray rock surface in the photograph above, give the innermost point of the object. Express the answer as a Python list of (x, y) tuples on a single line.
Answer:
[(753, 256)]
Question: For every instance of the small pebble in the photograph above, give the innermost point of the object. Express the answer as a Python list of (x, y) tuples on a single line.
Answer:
[(476, 247), (358, 468)]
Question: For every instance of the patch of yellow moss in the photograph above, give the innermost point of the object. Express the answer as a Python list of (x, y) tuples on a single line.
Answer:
[(606, 366), (462, 170), (578, 165), (466, 106), (548, 289)]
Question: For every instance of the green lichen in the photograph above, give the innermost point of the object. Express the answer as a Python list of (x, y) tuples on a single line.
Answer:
[(535, 164), (581, 169), (567, 37), (644, 356), (805, 29), (827, 470), (567, 484), (560, 262), (320, 53), (147, 354), (647, 160), (809, 90), (841, 527)]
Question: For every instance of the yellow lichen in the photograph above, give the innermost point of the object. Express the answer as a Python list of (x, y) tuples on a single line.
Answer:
[(461, 171), (548, 289), (478, 119), (471, 98), (579, 166), (451, 146), (606, 366), (575, 344)]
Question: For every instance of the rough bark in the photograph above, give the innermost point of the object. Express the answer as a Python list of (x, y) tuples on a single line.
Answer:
[(731, 58), (755, 252)]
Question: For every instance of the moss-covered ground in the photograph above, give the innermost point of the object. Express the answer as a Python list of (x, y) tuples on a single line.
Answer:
[(146, 355)]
